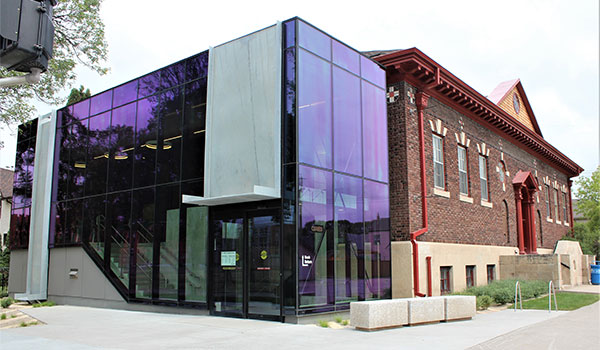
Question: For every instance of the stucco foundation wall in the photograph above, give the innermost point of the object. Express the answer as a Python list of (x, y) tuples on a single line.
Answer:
[(457, 256), (90, 285), (17, 273), (531, 267)]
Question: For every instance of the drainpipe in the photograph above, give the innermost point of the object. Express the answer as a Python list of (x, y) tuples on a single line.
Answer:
[(421, 100), (571, 207)]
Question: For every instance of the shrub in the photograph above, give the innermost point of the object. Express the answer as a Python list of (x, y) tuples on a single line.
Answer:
[(6, 302), (3, 317), (323, 324), (483, 302), (503, 292)]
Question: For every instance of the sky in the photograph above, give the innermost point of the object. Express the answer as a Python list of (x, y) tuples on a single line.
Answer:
[(552, 46)]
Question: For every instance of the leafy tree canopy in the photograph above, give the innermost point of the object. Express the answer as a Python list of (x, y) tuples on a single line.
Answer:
[(77, 95), (588, 205), (78, 40)]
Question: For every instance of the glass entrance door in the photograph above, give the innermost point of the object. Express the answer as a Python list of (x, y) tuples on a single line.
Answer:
[(246, 264)]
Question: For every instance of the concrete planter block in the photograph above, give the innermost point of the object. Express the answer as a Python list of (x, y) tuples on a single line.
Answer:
[(425, 310), (460, 307), (379, 314)]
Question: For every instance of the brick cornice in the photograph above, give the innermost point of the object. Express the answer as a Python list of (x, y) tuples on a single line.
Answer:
[(418, 69)]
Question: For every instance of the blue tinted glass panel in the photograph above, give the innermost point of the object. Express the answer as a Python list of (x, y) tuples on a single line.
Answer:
[(374, 132), (314, 108), (345, 57), (194, 129), (348, 237), (101, 103), (314, 40), (172, 75), (118, 217), (66, 117), (77, 158), (289, 122), (377, 241), (125, 93), (316, 213), (346, 122), (372, 72), (169, 136)]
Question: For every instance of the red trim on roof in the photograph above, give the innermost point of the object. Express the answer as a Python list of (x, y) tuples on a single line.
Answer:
[(418, 69)]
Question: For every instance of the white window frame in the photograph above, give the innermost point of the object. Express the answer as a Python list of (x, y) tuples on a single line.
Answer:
[(548, 210), (463, 171), (556, 205), (483, 178), (565, 214), (438, 164)]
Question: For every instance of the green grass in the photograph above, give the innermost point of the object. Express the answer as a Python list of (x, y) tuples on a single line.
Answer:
[(45, 303), (3, 317), (566, 301), (323, 324), (338, 320)]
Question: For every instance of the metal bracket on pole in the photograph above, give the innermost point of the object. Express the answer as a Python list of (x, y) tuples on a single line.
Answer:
[(32, 78)]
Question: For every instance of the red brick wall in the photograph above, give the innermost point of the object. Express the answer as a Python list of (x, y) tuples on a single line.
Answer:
[(452, 220)]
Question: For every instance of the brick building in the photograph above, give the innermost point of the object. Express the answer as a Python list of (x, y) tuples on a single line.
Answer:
[(490, 169)]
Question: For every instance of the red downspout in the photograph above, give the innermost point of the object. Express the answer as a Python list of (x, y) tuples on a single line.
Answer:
[(422, 99), (571, 207), (429, 292)]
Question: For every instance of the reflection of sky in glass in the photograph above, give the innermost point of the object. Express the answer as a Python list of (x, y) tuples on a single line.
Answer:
[(372, 72), (314, 120), (81, 110), (345, 57), (313, 40), (101, 103), (374, 133), (347, 147), (125, 93)]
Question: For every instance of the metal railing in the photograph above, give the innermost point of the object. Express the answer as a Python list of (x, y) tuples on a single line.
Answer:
[(551, 292), (518, 296)]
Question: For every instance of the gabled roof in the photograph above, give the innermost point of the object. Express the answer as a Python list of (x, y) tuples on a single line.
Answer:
[(6, 183), (420, 70), (503, 96), (525, 179)]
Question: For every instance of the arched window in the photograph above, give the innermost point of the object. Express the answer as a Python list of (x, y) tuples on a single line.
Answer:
[(506, 221), (539, 225)]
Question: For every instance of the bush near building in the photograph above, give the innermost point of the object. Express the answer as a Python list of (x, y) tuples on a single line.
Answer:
[(503, 292)]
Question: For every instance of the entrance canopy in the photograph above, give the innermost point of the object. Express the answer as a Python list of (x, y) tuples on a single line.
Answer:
[(525, 179)]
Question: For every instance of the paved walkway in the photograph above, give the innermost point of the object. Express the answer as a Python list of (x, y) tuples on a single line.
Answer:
[(72, 327)]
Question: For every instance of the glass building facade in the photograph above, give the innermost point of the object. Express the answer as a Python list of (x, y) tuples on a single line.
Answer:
[(124, 158)]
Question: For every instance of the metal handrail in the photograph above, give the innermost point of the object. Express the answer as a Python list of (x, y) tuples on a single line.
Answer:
[(551, 292), (518, 296)]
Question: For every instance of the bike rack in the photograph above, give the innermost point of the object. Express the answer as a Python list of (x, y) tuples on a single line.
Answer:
[(551, 292), (518, 296)]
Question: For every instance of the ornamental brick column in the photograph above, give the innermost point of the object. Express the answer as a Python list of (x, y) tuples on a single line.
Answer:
[(532, 231), (518, 201)]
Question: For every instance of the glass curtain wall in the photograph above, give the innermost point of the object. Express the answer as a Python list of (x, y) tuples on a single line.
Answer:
[(124, 157), (335, 144), (22, 185)]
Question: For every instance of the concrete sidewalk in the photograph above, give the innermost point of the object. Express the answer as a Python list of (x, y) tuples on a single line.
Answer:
[(71, 327)]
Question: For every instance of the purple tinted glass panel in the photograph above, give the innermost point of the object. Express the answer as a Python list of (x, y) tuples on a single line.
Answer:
[(314, 120), (197, 66), (125, 93), (149, 84), (146, 141), (172, 75), (121, 159), (345, 57), (101, 103), (348, 236), (372, 72), (377, 240), (77, 158), (81, 110), (375, 146), (98, 142), (316, 213), (290, 33), (289, 121), (314, 40), (347, 146)]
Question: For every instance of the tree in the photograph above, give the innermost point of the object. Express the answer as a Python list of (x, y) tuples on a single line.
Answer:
[(588, 233), (77, 95), (78, 40)]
